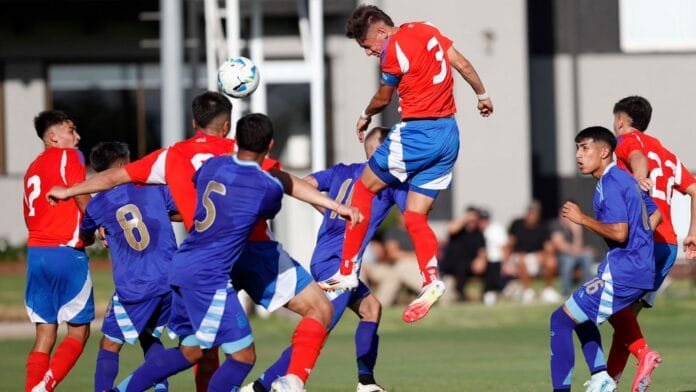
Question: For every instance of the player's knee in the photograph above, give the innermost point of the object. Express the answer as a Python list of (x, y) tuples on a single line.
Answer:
[(192, 353), (79, 332), (323, 312), (370, 309), (109, 345), (245, 355)]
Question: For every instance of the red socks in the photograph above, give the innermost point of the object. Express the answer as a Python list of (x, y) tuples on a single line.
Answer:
[(64, 358), (628, 338), (205, 368), (307, 341), (37, 365), (425, 244), (355, 235)]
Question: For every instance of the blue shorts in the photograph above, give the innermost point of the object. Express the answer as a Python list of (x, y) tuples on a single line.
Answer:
[(126, 322), (208, 317), (59, 286), (665, 256), (342, 299), (269, 275), (598, 299), (421, 152)]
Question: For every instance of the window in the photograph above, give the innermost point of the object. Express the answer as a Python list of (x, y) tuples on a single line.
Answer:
[(657, 26)]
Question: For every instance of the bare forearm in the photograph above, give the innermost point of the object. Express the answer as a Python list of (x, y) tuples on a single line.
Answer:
[(377, 104), (639, 165), (301, 190), (466, 70), (102, 181), (612, 231), (655, 219)]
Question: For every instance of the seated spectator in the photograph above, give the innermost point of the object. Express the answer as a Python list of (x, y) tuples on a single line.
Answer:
[(465, 253), (496, 251), (399, 267), (533, 255), (571, 252)]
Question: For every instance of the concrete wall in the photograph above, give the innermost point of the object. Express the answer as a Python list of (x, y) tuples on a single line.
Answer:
[(494, 157)]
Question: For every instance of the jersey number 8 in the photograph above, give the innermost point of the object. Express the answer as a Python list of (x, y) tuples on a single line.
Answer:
[(131, 224)]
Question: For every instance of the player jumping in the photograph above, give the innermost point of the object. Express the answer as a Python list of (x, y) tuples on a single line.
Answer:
[(625, 219), (59, 285), (415, 59), (660, 172), (337, 181), (141, 243)]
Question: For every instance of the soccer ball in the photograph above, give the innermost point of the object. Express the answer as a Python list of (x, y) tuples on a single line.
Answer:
[(237, 77)]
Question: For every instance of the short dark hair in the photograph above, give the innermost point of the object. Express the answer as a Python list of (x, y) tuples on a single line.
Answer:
[(105, 154), (598, 134), (638, 109), (254, 132), (363, 17), (208, 106), (49, 118), (380, 132)]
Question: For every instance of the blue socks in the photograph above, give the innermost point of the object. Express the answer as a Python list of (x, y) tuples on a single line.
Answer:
[(366, 347), (278, 369), (155, 348), (156, 368), (229, 376), (562, 351), (106, 371), (591, 342)]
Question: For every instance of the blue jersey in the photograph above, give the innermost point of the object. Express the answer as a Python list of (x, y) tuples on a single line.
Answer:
[(140, 237), (338, 182), (231, 196), (618, 199)]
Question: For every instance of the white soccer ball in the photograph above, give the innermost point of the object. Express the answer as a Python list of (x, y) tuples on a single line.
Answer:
[(238, 77)]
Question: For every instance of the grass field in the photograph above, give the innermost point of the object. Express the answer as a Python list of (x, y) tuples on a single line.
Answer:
[(459, 348)]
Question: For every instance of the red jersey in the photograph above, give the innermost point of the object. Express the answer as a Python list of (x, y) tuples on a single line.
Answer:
[(666, 171), (53, 225), (176, 165), (415, 59)]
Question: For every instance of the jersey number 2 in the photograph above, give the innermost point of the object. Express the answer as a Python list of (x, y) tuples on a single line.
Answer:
[(131, 224), (658, 172), (35, 183)]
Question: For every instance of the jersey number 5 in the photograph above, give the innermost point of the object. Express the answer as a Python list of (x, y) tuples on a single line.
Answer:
[(131, 224), (210, 213), (439, 56)]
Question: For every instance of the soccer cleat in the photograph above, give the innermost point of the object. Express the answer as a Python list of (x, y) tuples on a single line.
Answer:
[(340, 282), (289, 383), (600, 382), (420, 306), (247, 388), (646, 365), (370, 388)]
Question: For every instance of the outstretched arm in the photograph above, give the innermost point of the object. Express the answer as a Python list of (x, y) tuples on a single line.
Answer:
[(467, 71), (314, 184), (102, 181), (617, 232), (299, 189)]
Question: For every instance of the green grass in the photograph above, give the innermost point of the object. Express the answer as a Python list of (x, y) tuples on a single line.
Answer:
[(460, 348)]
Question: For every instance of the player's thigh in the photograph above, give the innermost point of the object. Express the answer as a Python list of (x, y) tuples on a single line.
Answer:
[(269, 275), (365, 304), (59, 286), (597, 300), (312, 302), (217, 319)]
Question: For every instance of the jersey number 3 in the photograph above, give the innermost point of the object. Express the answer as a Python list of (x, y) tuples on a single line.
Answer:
[(440, 57), (131, 220)]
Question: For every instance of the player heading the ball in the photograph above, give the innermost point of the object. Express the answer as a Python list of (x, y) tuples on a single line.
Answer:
[(416, 60)]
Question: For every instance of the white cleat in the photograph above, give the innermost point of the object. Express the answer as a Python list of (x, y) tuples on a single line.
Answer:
[(340, 282), (420, 306), (370, 388), (288, 383), (600, 382), (247, 388)]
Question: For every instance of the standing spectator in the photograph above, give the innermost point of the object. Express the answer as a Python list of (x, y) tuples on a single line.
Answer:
[(465, 254), (532, 254), (572, 254), (496, 251)]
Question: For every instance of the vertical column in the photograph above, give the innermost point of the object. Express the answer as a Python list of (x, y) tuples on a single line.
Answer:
[(171, 62)]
